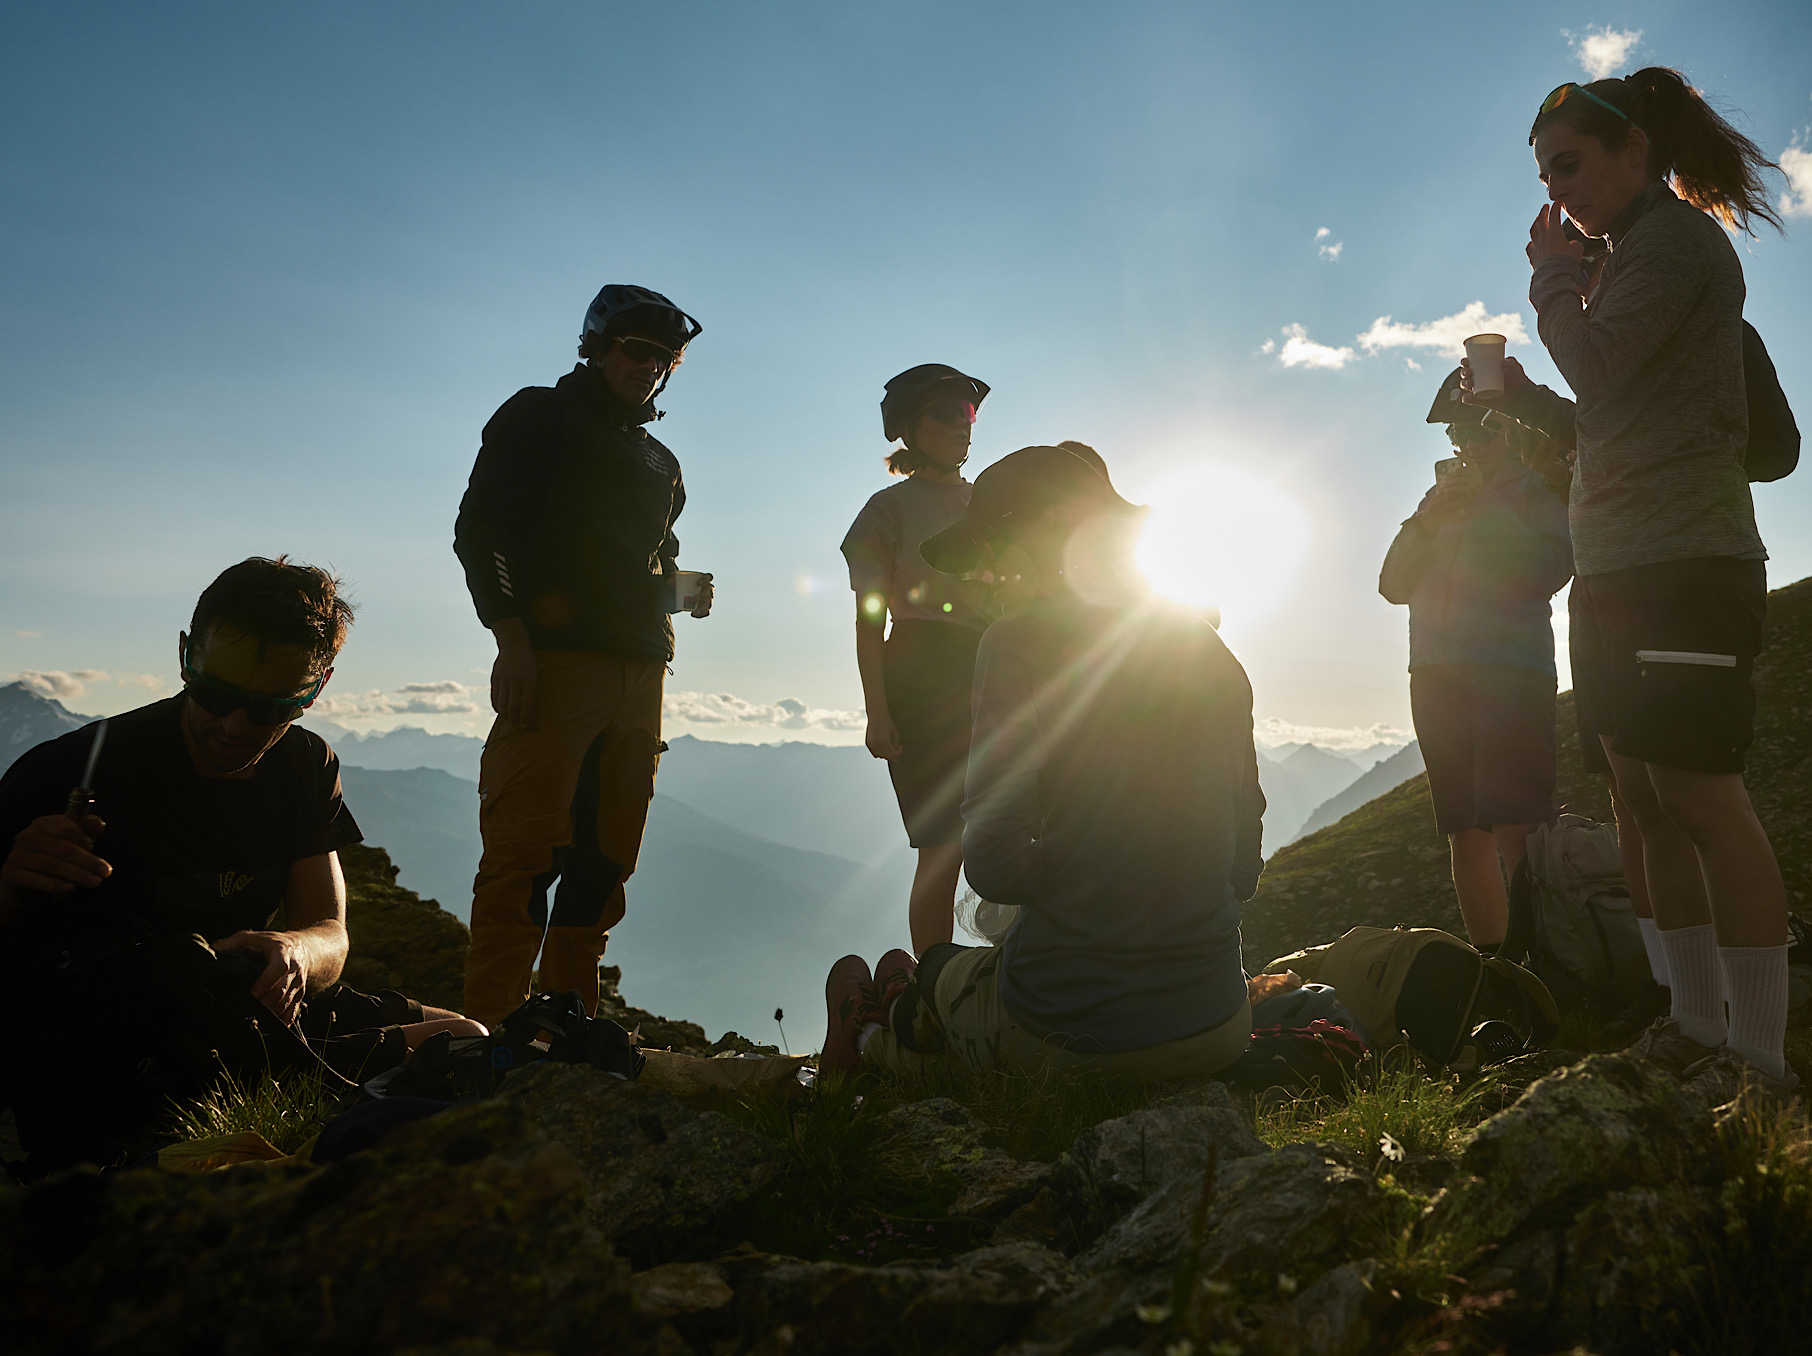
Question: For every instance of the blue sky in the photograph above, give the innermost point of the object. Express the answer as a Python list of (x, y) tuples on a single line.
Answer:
[(268, 270)]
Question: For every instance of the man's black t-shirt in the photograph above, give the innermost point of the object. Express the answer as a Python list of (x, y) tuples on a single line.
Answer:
[(189, 853)]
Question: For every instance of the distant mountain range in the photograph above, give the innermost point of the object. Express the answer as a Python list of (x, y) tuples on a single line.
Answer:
[(1385, 776)]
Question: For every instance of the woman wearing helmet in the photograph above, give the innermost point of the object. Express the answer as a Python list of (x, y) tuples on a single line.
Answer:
[(916, 678)]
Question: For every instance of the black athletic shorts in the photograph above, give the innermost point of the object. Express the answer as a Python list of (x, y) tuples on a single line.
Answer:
[(1662, 660), (930, 670), (1487, 738)]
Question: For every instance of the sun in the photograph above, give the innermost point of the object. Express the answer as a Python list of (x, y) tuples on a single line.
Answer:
[(1220, 537)]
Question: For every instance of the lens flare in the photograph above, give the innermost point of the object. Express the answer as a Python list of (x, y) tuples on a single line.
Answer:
[(1220, 537)]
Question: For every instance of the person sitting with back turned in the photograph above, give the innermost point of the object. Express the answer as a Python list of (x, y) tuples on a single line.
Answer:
[(216, 819), (1477, 564), (1112, 797)]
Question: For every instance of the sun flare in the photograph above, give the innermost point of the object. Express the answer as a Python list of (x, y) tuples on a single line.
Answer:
[(1223, 538)]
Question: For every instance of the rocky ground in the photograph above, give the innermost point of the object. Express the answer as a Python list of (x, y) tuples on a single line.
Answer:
[(1565, 1201)]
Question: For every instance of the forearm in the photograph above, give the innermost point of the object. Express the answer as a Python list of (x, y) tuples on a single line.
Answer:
[(324, 947), (871, 666)]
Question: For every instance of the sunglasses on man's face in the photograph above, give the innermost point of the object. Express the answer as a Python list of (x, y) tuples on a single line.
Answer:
[(641, 352), (261, 708), (951, 411)]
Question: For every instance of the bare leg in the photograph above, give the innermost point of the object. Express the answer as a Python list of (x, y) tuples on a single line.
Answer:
[(1629, 848), (436, 1020), (1479, 883), (1670, 873), (932, 911), (1742, 881), (1512, 842)]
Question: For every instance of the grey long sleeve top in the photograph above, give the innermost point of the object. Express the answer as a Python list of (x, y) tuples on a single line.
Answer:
[(1656, 361), (1113, 795)]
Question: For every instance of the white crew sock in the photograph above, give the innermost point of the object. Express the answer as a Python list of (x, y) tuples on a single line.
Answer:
[(1657, 954), (1755, 977), (1697, 983)]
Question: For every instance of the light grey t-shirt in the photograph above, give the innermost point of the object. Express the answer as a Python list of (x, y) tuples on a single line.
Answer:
[(1656, 362), (882, 548)]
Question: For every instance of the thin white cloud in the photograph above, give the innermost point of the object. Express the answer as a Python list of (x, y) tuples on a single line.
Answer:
[(58, 684), (1603, 51), (1323, 233), (153, 682), (1301, 351), (1412, 365), (1272, 731), (1325, 248), (1446, 335), (1796, 164), (28, 635), (723, 708), (446, 698)]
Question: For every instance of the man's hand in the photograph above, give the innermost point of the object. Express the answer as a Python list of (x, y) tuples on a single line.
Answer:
[(1515, 381), (55, 855), (1448, 501), (284, 983), (513, 675), (1548, 237), (706, 596), (883, 737)]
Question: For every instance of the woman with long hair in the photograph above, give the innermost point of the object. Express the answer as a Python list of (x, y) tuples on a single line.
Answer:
[(1672, 582), (916, 677)]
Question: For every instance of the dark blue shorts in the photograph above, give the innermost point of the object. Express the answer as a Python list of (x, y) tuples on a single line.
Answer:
[(1487, 738)]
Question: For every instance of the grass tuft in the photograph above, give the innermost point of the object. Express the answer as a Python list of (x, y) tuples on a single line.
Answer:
[(1390, 1096), (288, 1113)]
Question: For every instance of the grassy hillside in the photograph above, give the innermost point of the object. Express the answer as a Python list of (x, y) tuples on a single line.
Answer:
[(1384, 864)]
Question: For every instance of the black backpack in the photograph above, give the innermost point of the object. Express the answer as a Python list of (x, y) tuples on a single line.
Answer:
[(1773, 449)]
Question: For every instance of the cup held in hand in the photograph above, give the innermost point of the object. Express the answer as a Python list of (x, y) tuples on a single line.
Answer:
[(686, 590), (1485, 355)]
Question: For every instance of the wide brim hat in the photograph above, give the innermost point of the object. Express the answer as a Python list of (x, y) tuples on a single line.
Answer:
[(1013, 492), (1449, 408)]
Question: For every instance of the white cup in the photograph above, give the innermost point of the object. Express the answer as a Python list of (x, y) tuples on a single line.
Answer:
[(1485, 355), (685, 590)]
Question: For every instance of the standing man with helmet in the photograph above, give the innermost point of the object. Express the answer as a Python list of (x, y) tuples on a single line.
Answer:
[(566, 535), (916, 678)]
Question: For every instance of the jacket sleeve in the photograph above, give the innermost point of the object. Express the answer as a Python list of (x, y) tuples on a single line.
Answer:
[(1659, 275), (1002, 856), (1406, 562), (504, 499), (1249, 824), (669, 548)]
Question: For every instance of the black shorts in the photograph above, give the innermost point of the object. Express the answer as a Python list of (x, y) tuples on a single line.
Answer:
[(1662, 660), (1487, 738), (930, 670)]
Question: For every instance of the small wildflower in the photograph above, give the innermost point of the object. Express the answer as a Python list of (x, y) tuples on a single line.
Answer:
[(1154, 1314), (1286, 1283), (1388, 1146)]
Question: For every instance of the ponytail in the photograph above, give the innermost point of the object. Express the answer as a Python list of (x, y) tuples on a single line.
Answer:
[(1712, 165)]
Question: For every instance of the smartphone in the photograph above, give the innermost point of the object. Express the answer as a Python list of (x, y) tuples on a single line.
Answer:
[(1447, 468)]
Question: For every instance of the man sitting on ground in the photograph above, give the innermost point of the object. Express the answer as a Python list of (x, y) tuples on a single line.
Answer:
[(1112, 798), (213, 816)]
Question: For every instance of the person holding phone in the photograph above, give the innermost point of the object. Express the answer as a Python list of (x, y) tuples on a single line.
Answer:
[(916, 677), (1667, 615), (1477, 564)]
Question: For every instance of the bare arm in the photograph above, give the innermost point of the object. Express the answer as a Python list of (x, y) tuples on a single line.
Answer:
[(883, 735), (53, 855), (308, 955)]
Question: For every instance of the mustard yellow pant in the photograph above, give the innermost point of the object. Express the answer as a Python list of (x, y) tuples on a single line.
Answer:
[(564, 800), (964, 1019)]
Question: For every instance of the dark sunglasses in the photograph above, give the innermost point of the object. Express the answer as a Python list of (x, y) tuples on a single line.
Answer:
[(1561, 93), (643, 351), (951, 411), (261, 708)]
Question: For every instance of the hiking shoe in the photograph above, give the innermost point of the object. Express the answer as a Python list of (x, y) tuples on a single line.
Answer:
[(846, 991), (1635, 1018), (1668, 1048), (892, 974), (1725, 1075)]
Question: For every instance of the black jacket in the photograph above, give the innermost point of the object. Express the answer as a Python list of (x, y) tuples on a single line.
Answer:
[(567, 521)]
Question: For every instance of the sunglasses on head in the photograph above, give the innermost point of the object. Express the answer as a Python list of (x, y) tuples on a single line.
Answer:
[(643, 351), (261, 708), (1561, 93), (951, 411)]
